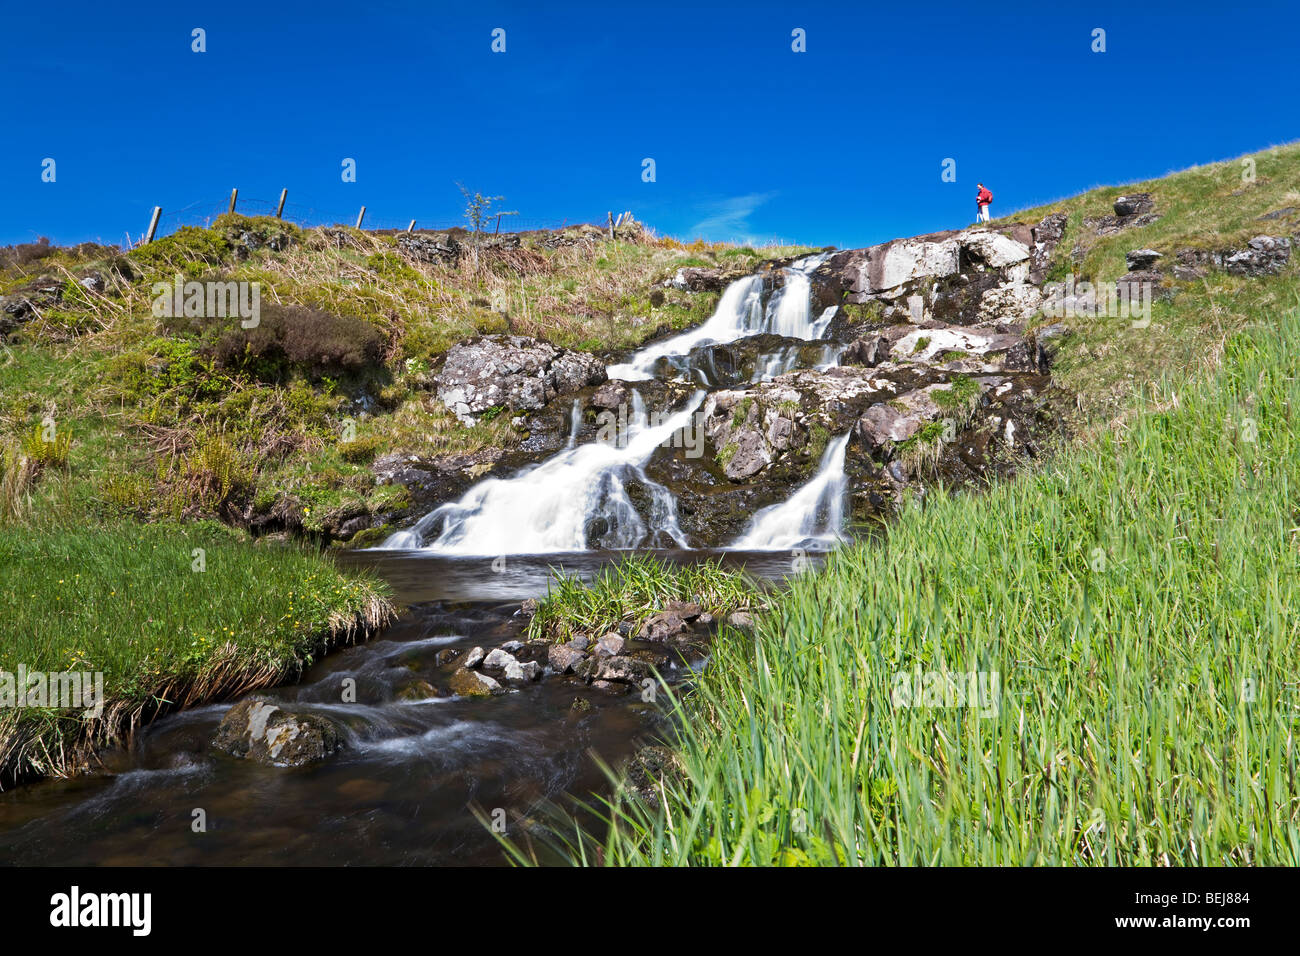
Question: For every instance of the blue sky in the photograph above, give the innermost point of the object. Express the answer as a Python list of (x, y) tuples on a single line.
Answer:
[(842, 144)]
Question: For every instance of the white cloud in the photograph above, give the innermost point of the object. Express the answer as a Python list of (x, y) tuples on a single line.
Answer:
[(728, 219)]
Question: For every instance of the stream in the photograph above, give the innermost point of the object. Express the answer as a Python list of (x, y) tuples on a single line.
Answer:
[(402, 789), (401, 792)]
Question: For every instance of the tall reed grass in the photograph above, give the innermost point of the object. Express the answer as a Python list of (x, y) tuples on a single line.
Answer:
[(1136, 602)]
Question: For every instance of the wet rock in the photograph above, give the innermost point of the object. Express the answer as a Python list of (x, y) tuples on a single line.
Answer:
[(611, 395), (512, 647), (418, 690), (663, 626), (467, 683), (869, 351), (511, 371), (748, 360), (611, 687), (746, 455), (529, 607), (620, 670), (686, 610), (889, 423), (474, 658), (1141, 260), (610, 645), (498, 659), (565, 658), (259, 729), (740, 619), (522, 672)]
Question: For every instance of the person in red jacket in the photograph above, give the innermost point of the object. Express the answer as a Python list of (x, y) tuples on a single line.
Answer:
[(982, 200)]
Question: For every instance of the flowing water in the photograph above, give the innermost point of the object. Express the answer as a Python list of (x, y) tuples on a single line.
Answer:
[(403, 790), (810, 519), (417, 763)]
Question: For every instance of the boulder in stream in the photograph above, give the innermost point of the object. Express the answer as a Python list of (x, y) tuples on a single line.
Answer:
[(259, 729)]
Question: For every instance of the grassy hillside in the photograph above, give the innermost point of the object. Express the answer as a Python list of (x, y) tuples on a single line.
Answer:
[(172, 418), (1126, 610), (1205, 207)]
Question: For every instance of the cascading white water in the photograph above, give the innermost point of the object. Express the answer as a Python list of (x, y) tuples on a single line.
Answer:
[(769, 365), (575, 421), (582, 497), (812, 518), (579, 494), (740, 313)]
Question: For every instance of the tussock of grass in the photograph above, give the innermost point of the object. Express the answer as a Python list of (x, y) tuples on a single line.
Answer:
[(1136, 600), (130, 601), (634, 589)]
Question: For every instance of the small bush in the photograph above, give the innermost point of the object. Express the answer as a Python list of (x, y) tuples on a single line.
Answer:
[(295, 338), (25, 253), (189, 250), (360, 450)]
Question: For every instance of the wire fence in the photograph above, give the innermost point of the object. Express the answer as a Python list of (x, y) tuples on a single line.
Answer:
[(203, 213)]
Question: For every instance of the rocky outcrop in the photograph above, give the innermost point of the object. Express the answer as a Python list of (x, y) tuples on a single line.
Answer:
[(1263, 255), (262, 730), (1131, 211), (1047, 235), (967, 277), (702, 279), (27, 302), (430, 247), (511, 371), (1142, 259), (1134, 204)]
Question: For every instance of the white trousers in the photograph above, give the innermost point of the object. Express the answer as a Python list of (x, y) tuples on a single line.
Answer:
[(984, 214)]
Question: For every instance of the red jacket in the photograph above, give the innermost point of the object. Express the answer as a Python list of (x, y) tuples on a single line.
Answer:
[(984, 198)]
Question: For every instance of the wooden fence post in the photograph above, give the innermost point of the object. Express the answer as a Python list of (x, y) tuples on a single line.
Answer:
[(411, 227), (153, 223), (234, 195), (361, 215), (279, 210), (610, 214)]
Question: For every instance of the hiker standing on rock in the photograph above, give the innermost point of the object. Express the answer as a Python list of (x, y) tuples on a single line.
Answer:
[(982, 200)]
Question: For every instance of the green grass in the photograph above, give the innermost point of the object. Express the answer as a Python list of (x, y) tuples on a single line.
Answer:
[(1205, 207), (172, 615), (1136, 600), (632, 590)]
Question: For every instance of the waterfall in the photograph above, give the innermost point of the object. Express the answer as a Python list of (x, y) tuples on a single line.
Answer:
[(598, 495), (813, 517), (575, 422), (740, 313), (581, 497)]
